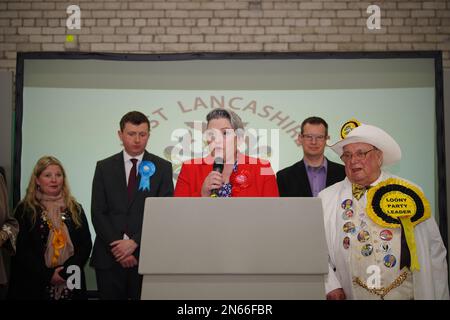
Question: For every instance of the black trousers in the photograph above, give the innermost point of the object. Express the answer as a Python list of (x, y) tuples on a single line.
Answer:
[(117, 283)]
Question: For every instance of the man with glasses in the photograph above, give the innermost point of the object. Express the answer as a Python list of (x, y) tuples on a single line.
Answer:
[(382, 239), (314, 172)]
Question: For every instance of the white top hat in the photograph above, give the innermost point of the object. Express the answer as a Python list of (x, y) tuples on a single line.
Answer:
[(366, 133)]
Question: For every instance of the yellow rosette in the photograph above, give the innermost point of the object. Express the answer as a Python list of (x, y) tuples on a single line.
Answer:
[(394, 203)]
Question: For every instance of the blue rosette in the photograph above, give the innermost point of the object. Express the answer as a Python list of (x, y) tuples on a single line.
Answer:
[(146, 170)]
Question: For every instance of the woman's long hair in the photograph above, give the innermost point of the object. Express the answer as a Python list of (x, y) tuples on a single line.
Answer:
[(30, 200)]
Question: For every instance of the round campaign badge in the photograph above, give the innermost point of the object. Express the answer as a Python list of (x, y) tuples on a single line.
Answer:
[(348, 127), (389, 260), (363, 236), (386, 235), (347, 204), (367, 250), (349, 227), (347, 214), (346, 242)]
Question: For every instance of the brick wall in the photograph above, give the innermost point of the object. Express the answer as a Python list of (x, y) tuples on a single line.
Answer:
[(158, 26)]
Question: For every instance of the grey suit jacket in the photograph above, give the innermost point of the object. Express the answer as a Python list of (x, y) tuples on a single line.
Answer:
[(112, 214)]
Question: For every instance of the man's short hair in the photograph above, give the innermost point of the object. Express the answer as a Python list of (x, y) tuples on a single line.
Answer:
[(134, 117), (316, 121)]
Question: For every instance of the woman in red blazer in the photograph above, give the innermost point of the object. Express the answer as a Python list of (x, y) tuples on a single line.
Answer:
[(242, 176)]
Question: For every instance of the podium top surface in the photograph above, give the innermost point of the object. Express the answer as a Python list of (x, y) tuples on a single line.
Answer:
[(233, 236)]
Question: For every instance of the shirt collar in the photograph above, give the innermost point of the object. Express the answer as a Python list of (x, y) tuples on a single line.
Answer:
[(127, 157), (379, 179), (324, 165)]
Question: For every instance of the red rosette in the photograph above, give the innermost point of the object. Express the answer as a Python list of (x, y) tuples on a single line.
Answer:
[(241, 180)]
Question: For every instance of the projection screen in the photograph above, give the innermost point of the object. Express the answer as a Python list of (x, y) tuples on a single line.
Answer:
[(69, 105)]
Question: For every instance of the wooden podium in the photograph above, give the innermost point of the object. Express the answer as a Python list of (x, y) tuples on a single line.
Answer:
[(233, 249)]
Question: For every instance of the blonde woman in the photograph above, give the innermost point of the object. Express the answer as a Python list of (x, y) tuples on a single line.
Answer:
[(54, 235)]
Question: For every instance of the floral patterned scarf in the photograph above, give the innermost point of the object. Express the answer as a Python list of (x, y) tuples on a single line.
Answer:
[(59, 245)]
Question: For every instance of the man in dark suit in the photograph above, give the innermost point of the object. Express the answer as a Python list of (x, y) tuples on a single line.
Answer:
[(120, 185), (314, 172)]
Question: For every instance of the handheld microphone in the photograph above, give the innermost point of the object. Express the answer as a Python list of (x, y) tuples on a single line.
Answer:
[(217, 166)]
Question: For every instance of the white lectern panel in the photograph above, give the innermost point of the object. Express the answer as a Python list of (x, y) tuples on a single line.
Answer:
[(240, 248)]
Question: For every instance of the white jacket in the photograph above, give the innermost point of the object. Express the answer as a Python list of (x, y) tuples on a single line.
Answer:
[(429, 283)]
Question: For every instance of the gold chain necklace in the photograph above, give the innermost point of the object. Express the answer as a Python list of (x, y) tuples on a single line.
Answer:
[(382, 292)]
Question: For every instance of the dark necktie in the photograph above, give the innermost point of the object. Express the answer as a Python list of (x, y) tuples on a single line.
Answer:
[(132, 179)]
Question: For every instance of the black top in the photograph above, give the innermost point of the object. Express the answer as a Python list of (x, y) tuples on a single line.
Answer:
[(293, 181), (30, 277)]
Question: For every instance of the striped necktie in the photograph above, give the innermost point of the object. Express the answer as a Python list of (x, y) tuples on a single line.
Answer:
[(358, 191)]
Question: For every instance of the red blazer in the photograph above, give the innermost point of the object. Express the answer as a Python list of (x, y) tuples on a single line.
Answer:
[(247, 181)]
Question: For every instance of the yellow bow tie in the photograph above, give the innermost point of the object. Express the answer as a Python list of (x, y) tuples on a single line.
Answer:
[(358, 191)]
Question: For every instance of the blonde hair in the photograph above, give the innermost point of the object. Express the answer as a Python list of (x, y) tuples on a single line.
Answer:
[(30, 200)]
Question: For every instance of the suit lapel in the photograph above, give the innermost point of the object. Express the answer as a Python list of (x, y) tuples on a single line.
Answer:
[(303, 176), (330, 173), (120, 176)]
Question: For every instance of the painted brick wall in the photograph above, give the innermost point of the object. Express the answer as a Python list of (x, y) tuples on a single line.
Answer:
[(157, 26)]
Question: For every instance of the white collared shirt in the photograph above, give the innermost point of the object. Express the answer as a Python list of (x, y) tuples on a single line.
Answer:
[(128, 164)]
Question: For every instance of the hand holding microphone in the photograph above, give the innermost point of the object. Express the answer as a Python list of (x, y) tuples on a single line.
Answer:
[(214, 180)]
